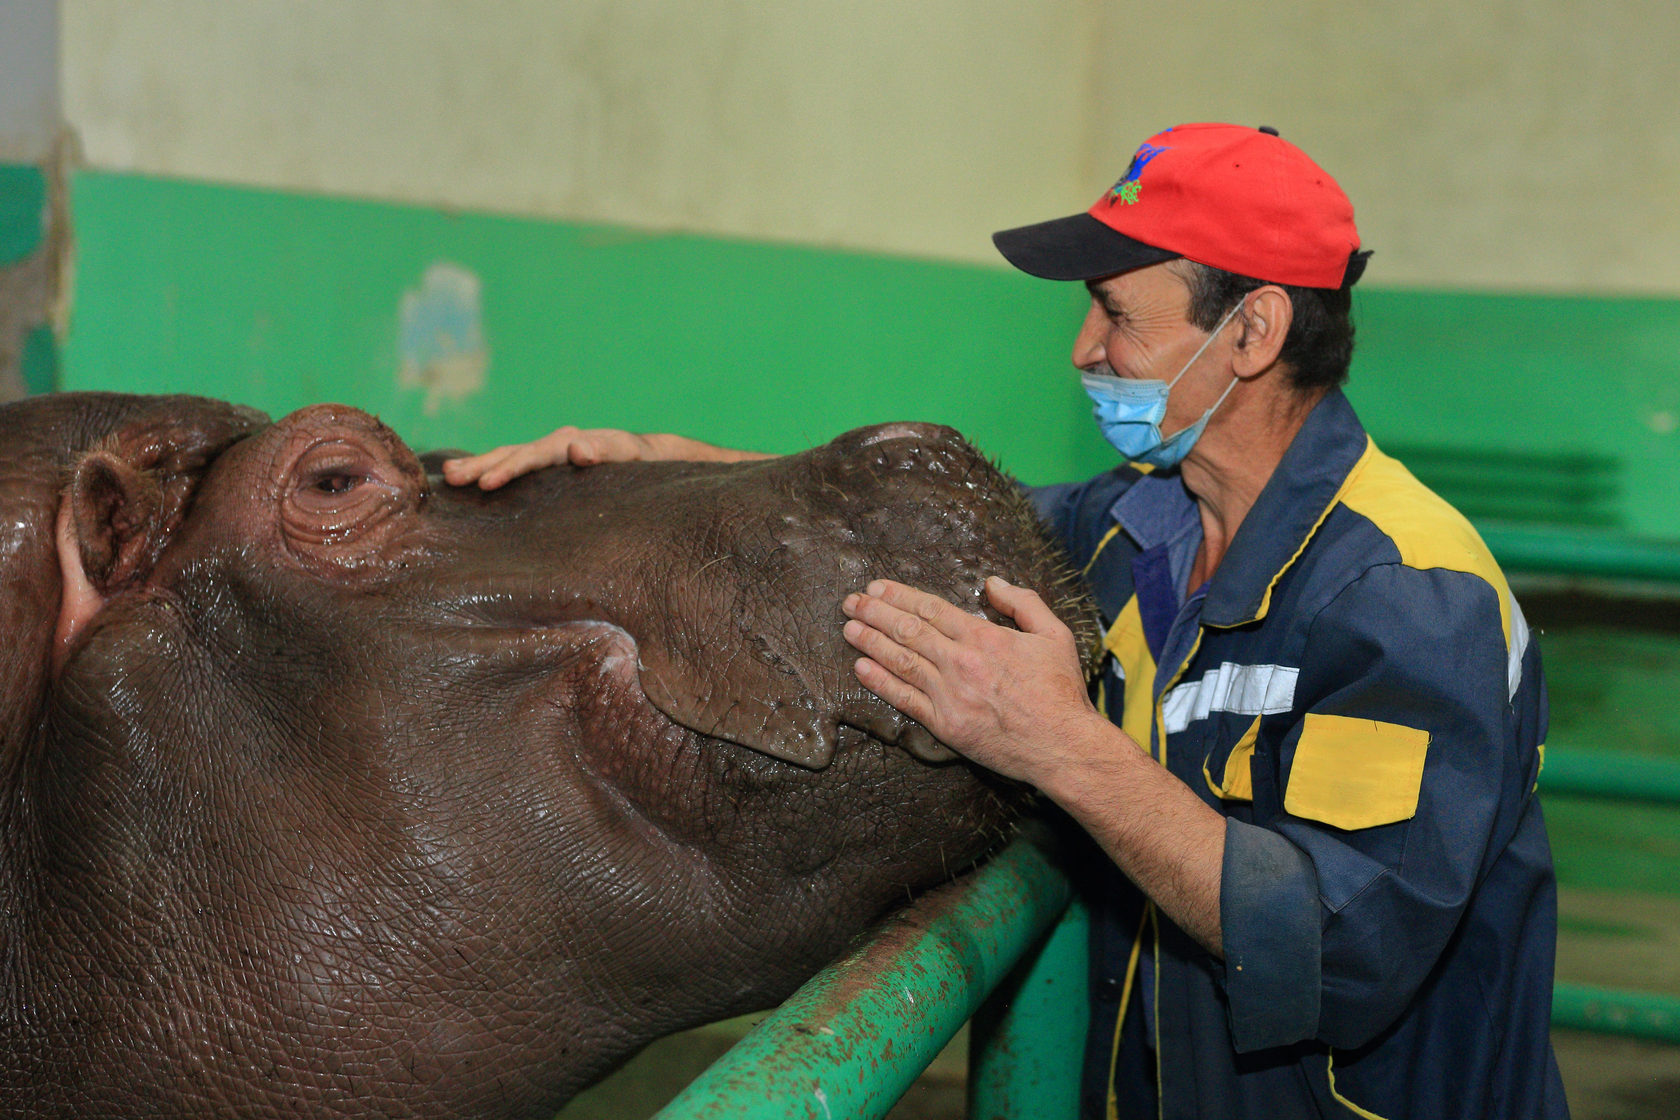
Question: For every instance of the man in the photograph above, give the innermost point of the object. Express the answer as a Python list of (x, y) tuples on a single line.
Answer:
[(1313, 771)]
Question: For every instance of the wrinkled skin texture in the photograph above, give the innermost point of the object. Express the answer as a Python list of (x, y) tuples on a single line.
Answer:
[(327, 788)]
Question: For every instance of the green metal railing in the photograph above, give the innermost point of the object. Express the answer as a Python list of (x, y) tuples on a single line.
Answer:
[(1618, 777), (1581, 552), (1614, 777), (1586, 1007), (850, 1042)]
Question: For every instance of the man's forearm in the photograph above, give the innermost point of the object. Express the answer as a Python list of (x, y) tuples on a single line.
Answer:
[(1154, 827)]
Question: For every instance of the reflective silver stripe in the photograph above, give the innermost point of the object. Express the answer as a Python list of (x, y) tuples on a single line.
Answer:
[(1519, 646), (1250, 690)]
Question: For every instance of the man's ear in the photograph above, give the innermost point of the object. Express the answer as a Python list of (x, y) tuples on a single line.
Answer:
[(1265, 324), (108, 524)]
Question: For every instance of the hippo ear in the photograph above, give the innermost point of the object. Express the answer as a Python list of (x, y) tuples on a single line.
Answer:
[(107, 530)]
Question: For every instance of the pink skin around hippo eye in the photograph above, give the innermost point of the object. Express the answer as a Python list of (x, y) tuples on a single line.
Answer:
[(339, 497)]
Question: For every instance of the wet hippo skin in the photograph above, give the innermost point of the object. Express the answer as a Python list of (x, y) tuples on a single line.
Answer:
[(327, 788)]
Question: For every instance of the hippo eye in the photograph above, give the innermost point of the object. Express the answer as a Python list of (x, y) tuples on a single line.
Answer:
[(337, 483), (343, 496)]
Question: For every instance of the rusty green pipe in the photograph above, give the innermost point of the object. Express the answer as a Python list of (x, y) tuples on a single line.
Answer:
[(1582, 552), (851, 1041), (1619, 777), (1027, 1041), (1584, 1007)]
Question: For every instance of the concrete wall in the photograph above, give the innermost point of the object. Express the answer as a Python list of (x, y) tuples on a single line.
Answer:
[(28, 79), (29, 246), (1516, 144), (902, 127), (1513, 144)]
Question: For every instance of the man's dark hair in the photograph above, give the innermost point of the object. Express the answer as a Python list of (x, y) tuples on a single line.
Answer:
[(1319, 345)]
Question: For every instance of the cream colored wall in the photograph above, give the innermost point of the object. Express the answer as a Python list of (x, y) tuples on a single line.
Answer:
[(28, 79), (1522, 145), (910, 126), (1526, 144)]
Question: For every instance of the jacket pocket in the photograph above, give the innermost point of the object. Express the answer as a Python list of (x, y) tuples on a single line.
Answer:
[(1355, 773)]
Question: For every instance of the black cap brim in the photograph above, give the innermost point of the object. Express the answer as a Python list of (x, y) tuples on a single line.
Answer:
[(1077, 247)]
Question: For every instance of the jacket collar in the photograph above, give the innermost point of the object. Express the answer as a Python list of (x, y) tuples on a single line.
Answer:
[(1157, 509), (1288, 512)]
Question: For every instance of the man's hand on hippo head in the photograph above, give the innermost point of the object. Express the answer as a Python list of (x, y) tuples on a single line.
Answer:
[(1006, 699), (582, 447)]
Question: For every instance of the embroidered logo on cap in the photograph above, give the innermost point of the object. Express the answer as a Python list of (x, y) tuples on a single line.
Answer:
[(1126, 190)]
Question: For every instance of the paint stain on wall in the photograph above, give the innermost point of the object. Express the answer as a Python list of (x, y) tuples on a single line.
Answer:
[(35, 257), (441, 328)]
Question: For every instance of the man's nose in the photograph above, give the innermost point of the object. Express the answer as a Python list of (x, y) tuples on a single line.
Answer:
[(1088, 347)]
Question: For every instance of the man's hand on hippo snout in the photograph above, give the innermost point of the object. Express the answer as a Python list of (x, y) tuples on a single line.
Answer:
[(1010, 700), (582, 447), (1015, 702)]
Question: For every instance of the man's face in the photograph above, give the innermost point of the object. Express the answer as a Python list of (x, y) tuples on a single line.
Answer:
[(1137, 327)]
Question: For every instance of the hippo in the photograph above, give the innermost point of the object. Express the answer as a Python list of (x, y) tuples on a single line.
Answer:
[(327, 788)]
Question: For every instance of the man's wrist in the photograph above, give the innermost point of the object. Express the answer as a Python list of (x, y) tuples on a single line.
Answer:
[(1098, 755)]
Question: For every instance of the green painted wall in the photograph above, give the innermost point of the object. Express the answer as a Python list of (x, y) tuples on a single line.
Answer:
[(1533, 408), (23, 199), (28, 351), (38, 362), (281, 300)]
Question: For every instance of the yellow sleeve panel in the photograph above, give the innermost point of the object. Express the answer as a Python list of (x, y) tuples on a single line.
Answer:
[(1355, 773), (1427, 531), (1130, 648)]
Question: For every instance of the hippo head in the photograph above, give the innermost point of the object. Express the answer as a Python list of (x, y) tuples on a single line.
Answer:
[(324, 784)]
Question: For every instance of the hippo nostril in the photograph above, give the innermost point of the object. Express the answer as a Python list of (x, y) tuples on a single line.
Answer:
[(919, 742)]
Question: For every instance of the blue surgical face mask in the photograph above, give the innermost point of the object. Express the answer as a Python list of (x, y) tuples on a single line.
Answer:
[(1129, 411)]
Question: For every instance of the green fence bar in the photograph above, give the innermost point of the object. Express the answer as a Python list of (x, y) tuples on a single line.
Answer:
[(1026, 1042), (1578, 552), (851, 1041), (1584, 1007), (1623, 777)]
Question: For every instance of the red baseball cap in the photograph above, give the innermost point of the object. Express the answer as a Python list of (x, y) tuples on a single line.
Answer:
[(1239, 199)]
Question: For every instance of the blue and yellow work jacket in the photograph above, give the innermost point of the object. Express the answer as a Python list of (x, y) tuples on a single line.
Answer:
[(1355, 689)]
